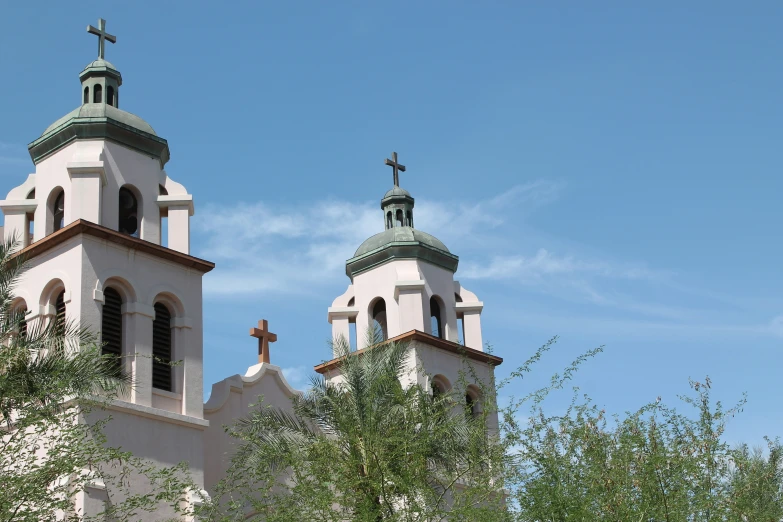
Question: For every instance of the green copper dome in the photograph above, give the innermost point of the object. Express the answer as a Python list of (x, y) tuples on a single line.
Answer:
[(100, 63), (400, 243), (99, 117), (92, 111), (397, 191), (400, 240), (406, 235)]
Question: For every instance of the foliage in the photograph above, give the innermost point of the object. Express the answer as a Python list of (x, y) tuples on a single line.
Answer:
[(54, 382), (654, 464), (373, 449), (365, 449)]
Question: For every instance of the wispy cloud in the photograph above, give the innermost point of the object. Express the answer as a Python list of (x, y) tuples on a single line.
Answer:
[(273, 248), (544, 264), (266, 247)]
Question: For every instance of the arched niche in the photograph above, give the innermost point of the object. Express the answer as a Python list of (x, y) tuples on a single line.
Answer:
[(378, 318)]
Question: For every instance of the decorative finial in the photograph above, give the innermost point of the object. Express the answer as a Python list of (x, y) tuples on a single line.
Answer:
[(264, 337), (395, 167), (102, 36)]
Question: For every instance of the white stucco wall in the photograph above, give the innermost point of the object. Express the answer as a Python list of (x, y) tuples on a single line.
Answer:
[(406, 285), (91, 173), (230, 400)]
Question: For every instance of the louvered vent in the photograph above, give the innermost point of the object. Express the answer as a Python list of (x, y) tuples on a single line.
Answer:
[(111, 323), (59, 318), (23, 322), (161, 348)]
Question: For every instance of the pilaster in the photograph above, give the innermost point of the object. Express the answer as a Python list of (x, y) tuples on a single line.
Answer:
[(409, 296), (87, 181), (138, 333)]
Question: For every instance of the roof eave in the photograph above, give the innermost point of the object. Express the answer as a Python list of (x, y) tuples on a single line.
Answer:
[(99, 128), (400, 250), (81, 226), (430, 340)]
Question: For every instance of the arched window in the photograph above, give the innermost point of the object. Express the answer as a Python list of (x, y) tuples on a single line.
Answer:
[(409, 219), (110, 95), (86, 95), (111, 323), (436, 321), (379, 318), (97, 94), (389, 221), (129, 210), (58, 211), (59, 313), (161, 348), (399, 218)]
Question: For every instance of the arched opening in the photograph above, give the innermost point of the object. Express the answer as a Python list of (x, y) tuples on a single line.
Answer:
[(352, 337), (378, 319), (389, 221), (460, 322), (472, 401), (164, 218), (161, 348), (86, 95), (20, 314), (409, 219), (30, 219), (57, 209), (110, 95), (436, 317), (439, 385), (398, 218), (59, 313), (111, 324), (128, 212), (97, 94)]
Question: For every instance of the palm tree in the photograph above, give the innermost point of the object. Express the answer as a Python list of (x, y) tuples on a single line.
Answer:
[(364, 442), (42, 364), (49, 374)]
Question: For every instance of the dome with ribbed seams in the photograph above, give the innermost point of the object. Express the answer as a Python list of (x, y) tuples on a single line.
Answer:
[(400, 235), (94, 111), (397, 191)]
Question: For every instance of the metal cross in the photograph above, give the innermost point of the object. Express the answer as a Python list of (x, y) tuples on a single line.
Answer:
[(264, 337), (102, 36), (396, 167)]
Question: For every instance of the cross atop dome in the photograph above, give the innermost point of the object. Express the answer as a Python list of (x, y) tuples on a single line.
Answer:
[(102, 35), (396, 167)]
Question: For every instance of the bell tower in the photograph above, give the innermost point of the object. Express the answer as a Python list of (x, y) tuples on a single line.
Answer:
[(89, 223), (402, 285)]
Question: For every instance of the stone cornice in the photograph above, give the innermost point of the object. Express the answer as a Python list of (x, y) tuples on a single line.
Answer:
[(429, 340), (99, 128), (81, 226), (401, 250)]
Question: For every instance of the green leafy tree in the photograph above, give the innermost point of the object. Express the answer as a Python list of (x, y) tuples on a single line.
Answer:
[(52, 377), (655, 464)]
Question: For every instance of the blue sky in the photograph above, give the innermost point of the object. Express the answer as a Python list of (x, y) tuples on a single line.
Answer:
[(607, 173)]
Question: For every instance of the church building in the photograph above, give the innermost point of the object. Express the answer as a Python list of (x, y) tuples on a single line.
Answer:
[(106, 235)]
